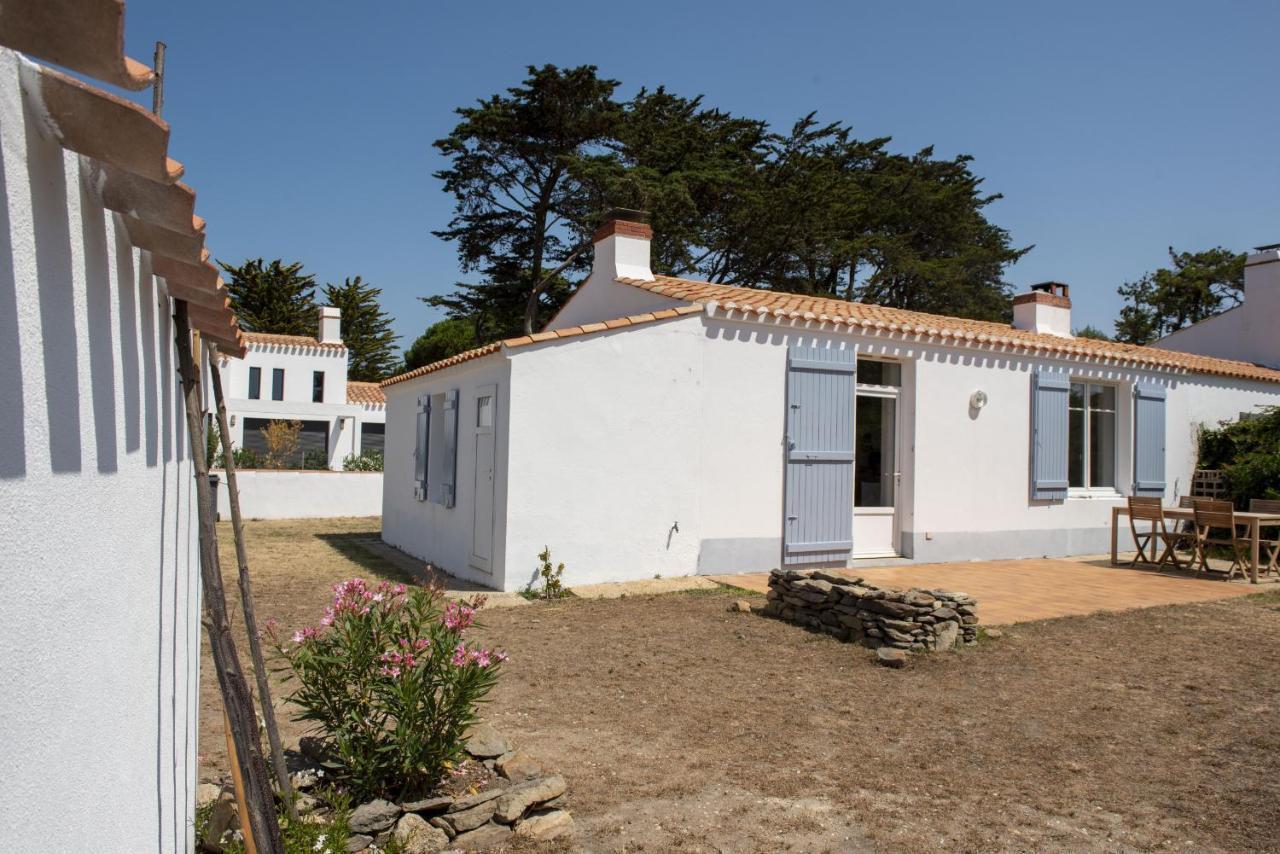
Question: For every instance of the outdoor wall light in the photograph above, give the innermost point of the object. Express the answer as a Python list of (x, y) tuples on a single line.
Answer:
[(978, 399)]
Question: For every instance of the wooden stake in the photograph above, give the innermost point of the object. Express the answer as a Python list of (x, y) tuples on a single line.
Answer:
[(241, 805), (246, 594), (236, 699), (157, 85)]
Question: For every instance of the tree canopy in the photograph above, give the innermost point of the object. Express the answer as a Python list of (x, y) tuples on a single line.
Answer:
[(442, 339), (1197, 285), (814, 209), (366, 329), (272, 297)]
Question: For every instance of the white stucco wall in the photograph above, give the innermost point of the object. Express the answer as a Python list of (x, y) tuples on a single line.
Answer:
[(605, 447), (427, 530), (99, 637), (302, 494)]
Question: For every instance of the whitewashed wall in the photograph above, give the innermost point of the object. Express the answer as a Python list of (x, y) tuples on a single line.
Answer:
[(424, 529), (605, 454), (99, 637), (298, 365), (302, 494), (965, 474)]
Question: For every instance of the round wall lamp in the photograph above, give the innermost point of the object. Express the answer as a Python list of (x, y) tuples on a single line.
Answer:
[(978, 399)]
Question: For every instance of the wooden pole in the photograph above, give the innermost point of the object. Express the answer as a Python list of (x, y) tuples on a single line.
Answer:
[(236, 699), (242, 806), (246, 594), (157, 85)]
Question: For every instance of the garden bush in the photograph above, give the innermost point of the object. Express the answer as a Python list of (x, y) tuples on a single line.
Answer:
[(315, 459), (370, 460), (1248, 453), (391, 682)]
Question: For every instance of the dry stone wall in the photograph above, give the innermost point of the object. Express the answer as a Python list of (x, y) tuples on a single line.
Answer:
[(852, 610)]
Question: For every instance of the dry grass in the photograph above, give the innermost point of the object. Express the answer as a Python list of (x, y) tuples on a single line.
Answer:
[(681, 726)]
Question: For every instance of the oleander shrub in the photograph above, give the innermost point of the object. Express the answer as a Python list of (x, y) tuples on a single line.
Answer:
[(390, 680), (370, 460)]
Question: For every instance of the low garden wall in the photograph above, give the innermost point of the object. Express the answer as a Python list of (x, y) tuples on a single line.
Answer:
[(293, 494), (852, 610)]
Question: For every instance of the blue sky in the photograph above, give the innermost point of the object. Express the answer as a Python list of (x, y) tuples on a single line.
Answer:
[(1113, 129)]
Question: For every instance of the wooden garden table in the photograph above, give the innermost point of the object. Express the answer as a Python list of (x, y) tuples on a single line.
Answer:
[(1256, 521)]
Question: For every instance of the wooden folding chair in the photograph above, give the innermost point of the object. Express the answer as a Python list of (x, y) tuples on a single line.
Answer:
[(1213, 515), (1156, 545), (1270, 545)]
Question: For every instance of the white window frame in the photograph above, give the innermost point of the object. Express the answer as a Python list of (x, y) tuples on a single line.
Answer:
[(1090, 491)]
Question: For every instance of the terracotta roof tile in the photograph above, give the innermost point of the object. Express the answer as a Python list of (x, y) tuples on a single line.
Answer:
[(526, 340), (798, 306), (100, 125), (365, 393), (271, 338), (84, 35)]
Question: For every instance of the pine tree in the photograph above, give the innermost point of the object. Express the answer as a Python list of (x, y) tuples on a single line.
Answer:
[(274, 297), (442, 339), (366, 329)]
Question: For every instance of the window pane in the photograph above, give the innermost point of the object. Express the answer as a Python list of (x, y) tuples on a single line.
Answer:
[(277, 383), (317, 386), (255, 383), (1102, 397), (872, 372), (1075, 445), (1102, 448), (873, 451), (484, 411), (1076, 400)]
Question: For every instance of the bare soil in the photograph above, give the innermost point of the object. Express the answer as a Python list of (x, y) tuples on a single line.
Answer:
[(682, 726)]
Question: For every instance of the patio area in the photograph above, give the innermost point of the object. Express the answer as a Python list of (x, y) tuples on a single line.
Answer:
[(1015, 591)]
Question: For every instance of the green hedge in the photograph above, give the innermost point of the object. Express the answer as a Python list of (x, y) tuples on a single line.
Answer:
[(1248, 453)]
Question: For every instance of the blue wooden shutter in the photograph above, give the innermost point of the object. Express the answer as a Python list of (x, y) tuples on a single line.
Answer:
[(449, 471), (422, 432), (1148, 439), (818, 527), (1049, 433)]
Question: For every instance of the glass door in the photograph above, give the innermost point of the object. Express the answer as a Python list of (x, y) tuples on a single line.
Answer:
[(875, 459)]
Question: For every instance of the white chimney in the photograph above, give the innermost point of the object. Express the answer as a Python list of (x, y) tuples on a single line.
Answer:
[(1045, 308), (330, 325), (622, 246)]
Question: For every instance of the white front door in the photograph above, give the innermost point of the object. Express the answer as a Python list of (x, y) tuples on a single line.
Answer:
[(482, 531), (876, 459)]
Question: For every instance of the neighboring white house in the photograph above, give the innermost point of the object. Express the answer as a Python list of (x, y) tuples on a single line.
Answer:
[(1249, 332), (665, 426), (303, 378), (99, 617)]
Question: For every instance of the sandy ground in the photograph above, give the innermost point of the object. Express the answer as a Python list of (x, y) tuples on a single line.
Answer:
[(681, 726)]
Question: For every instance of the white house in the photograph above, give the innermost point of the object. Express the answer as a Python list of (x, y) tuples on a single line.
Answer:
[(99, 621), (1247, 332), (303, 378), (666, 426)]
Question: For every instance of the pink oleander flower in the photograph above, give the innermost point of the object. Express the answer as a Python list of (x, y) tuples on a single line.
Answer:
[(460, 656), (306, 634), (420, 644), (390, 670), (458, 617)]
